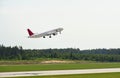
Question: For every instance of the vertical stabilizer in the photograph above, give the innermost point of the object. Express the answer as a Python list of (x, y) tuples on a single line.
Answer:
[(30, 32)]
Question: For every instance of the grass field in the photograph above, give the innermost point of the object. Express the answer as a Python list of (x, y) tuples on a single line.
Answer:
[(105, 75), (37, 67), (17, 66)]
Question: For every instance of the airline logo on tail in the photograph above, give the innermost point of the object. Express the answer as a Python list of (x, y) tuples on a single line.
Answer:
[(30, 32), (44, 34)]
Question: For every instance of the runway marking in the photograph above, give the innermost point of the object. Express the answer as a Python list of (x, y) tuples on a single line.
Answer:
[(58, 72)]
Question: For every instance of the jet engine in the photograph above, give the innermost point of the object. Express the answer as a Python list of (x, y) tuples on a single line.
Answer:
[(55, 34)]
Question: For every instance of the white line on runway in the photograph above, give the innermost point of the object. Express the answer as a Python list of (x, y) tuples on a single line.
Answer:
[(58, 72)]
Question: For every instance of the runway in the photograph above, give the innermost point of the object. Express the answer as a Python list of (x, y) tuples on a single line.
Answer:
[(58, 72)]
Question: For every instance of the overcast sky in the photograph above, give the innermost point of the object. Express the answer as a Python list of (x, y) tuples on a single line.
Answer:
[(88, 24)]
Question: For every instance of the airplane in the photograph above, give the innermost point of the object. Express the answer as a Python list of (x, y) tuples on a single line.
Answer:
[(44, 34)]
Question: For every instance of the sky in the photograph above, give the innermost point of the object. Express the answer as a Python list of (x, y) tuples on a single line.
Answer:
[(88, 24)]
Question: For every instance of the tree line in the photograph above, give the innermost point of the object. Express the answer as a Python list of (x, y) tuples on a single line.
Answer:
[(18, 53)]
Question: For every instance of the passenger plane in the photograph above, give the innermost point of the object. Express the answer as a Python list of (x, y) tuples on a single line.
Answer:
[(44, 34)]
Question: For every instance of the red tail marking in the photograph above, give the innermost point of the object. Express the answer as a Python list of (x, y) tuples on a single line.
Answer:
[(30, 32)]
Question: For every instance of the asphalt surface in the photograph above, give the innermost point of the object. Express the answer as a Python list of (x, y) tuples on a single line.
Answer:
[(58, 72)]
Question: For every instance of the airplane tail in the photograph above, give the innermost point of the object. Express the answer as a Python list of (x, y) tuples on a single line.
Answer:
[(30, 32)]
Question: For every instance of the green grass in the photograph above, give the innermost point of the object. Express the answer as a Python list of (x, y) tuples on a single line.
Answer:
[(37, 67), (105, 75)]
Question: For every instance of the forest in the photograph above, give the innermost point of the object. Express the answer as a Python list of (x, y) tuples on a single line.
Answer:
[(101, 55)]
